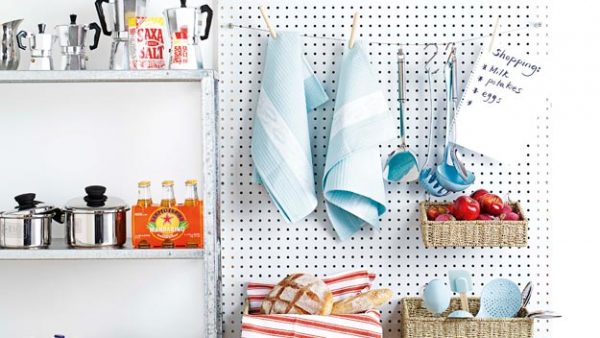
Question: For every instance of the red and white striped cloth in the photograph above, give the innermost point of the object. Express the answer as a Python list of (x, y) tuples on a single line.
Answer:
[(342, 285), (365, 325)]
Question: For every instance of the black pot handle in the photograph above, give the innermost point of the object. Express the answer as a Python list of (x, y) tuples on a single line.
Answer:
[(102, 17), (20, 36), (59, 216), (209, 17), (96, 27)]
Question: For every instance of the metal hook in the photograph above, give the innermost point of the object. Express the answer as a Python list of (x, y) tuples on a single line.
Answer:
[(452, 50), (452, 59), (437, 49)]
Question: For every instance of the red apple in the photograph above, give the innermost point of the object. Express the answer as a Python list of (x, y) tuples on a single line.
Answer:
[(486, 217), (435, 210), (466, 208), (478, 194), (507, 208), (511, 216), (445, 218), (450, 208), (491, 204)]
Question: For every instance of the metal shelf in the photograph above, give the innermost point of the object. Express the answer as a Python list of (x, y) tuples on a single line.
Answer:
[(91, 76), (59, 251)]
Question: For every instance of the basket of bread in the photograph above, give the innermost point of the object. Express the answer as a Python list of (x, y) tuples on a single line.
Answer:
[(302, 305)]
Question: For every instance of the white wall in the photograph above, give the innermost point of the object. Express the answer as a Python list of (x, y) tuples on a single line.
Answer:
[(576, 229), (99, 299), (58, 138)]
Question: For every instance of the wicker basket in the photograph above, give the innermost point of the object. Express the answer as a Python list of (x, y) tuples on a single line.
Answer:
[(473, 233), (418, 322)]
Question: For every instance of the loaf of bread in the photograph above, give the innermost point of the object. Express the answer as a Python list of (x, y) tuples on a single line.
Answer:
[(299, 294), (360, 303)]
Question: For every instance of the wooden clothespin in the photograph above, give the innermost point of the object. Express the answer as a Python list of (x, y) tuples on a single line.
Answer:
[(353, 32), (265, 16), (496, 26)]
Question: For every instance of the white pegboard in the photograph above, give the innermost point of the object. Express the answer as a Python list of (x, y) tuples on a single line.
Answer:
[(258, 245)]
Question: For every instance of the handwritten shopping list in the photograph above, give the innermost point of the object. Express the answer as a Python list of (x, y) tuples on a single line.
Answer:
[(497, 114)]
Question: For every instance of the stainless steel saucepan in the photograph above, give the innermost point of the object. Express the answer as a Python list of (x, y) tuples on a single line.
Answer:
[(29, 225), (96, 220)]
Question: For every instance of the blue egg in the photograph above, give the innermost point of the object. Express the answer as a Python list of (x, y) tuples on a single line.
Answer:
[(436, 296)]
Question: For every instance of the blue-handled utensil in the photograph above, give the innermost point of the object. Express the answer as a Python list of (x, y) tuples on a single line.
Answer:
[(451, 174), (436, 296), (448, 174), (461, 283), (401, 165), (428, 175), (500, 298)]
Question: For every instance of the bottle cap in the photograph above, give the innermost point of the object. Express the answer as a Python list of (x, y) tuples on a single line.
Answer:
[(167, 183), (144, 184), (191, 182)]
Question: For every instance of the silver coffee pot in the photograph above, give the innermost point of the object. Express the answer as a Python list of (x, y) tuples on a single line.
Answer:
[(117, 25), (9, 50), (40, 44), (72, 41), (185, 28)]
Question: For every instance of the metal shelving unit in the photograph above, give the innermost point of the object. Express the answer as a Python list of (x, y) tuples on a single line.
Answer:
[(62, 252), (95, 76), (210, 254)]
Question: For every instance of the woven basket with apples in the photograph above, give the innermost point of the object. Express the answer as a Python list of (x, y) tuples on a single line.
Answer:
[(480, 220)]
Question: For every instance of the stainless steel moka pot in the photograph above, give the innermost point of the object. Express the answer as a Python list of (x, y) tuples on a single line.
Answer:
[(8, 49), (40, 44), (185, 26), (116, 25), (72, 41)]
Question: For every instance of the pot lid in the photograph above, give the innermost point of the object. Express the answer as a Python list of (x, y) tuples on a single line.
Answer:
[(183, 5), (96, 200), (29, 207), (73, 21)]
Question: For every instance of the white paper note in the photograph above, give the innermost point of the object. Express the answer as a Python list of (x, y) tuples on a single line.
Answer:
[(497, 114)]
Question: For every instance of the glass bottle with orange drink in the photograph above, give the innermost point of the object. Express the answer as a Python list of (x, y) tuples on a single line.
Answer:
[(168, 195), (144, 194), (191, 193)]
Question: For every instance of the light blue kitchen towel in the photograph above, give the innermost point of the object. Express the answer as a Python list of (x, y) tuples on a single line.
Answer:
[(280, 141), (353, 180)]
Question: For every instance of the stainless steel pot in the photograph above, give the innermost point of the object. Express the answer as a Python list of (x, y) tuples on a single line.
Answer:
[(29, 225), (9, 48), (96, 220)]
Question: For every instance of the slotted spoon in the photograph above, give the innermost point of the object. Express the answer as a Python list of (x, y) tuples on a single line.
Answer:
[(428, 175)]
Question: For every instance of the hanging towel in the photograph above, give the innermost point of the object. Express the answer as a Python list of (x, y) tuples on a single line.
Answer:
[(280, 140), (353, 179)]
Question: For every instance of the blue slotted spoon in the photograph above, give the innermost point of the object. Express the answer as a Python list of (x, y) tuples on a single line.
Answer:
[(428, 176), (451, 174), (500, 298), (402, 165)]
